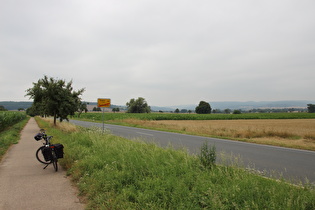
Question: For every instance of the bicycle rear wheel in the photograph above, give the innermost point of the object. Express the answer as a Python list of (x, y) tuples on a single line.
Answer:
[(54, 160), (40, 156)]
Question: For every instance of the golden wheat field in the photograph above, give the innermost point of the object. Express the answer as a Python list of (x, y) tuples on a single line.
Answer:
[(295, 133)]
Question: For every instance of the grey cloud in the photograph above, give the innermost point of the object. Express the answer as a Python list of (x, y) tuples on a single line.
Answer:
[(172, 52)]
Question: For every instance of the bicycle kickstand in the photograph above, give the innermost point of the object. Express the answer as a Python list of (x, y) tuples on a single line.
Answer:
[(46, 166)]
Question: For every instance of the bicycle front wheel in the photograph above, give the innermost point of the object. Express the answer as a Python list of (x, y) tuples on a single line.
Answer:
[(40, 156)]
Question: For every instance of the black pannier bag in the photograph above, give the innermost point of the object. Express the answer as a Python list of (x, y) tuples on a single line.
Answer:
[(38, 136), (59, 150), (46, 153)]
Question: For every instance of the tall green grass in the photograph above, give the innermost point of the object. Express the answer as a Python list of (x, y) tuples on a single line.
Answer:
[(8, 118), (116, 173), (11, 135), (172, 116)]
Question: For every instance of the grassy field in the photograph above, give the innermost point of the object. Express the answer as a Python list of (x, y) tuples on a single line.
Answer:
[(116, 173), (294, 130)]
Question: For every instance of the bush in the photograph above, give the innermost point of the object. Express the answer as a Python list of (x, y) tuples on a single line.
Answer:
[(207, 155), (237, 112)]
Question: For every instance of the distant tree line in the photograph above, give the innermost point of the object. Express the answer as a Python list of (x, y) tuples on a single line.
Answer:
[(183, 111), (141, 106), (13, 105), (98, 109), (228, 111), (57, 98)]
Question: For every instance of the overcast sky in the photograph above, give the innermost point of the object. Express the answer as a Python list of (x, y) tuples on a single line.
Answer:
[(170, 52)]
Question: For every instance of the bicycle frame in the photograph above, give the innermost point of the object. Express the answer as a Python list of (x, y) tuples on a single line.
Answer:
[(52, 155)]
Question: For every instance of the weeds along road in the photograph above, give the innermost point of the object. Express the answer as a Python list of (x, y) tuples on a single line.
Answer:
[(293, 164)]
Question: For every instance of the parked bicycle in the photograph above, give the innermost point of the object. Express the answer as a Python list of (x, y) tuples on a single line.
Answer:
[(48, 153)]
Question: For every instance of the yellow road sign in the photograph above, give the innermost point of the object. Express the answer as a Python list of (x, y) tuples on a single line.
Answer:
[(103, 102)]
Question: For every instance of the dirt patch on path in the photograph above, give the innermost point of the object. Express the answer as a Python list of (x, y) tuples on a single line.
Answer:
[(24, 184)]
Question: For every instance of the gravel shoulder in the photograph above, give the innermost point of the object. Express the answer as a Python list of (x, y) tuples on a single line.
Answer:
[(26, 185)]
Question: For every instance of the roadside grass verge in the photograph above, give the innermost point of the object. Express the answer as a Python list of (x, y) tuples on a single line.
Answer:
[(11, 135), (116, 173)]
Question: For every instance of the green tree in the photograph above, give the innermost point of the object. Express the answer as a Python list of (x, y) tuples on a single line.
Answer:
[(311, 108), (82, 108), (236, 111), (203, 108), (227, 111), (177, 110), (97, 109), (138, 106), (54, 98), (216, 111), (116, 109), (2, 108)]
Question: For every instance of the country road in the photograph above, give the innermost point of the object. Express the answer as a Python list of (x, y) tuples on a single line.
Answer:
[(293, 164)]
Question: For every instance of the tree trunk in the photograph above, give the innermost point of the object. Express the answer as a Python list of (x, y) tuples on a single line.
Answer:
[(55, 118)]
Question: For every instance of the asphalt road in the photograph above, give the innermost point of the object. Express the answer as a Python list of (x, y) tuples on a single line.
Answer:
[(296, 165)]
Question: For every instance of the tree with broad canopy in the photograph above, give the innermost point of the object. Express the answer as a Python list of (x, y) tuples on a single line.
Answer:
[(138, 106), (203, 108), (311, 108), (55, 98)]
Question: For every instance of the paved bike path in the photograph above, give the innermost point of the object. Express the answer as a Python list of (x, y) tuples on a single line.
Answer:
[(24, 184)]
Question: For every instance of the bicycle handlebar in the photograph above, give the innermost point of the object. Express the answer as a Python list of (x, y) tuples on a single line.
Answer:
[(47, 139)]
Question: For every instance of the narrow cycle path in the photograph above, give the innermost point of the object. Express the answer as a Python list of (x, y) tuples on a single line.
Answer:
[(24, 184)]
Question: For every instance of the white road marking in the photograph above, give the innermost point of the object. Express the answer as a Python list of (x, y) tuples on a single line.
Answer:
[(148, 134)]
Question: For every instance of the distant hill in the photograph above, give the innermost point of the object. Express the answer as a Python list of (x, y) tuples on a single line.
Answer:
[(261, 104), (15, 105), (246, 105)]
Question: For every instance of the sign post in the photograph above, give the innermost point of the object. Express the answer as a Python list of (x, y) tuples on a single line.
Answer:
[(102, 103)]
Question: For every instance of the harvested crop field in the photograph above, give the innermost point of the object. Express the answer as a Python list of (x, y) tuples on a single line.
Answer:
[(295, 133)]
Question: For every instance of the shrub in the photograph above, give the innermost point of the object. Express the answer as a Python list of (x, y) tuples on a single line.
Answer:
[(207, 155), (237, 112)]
